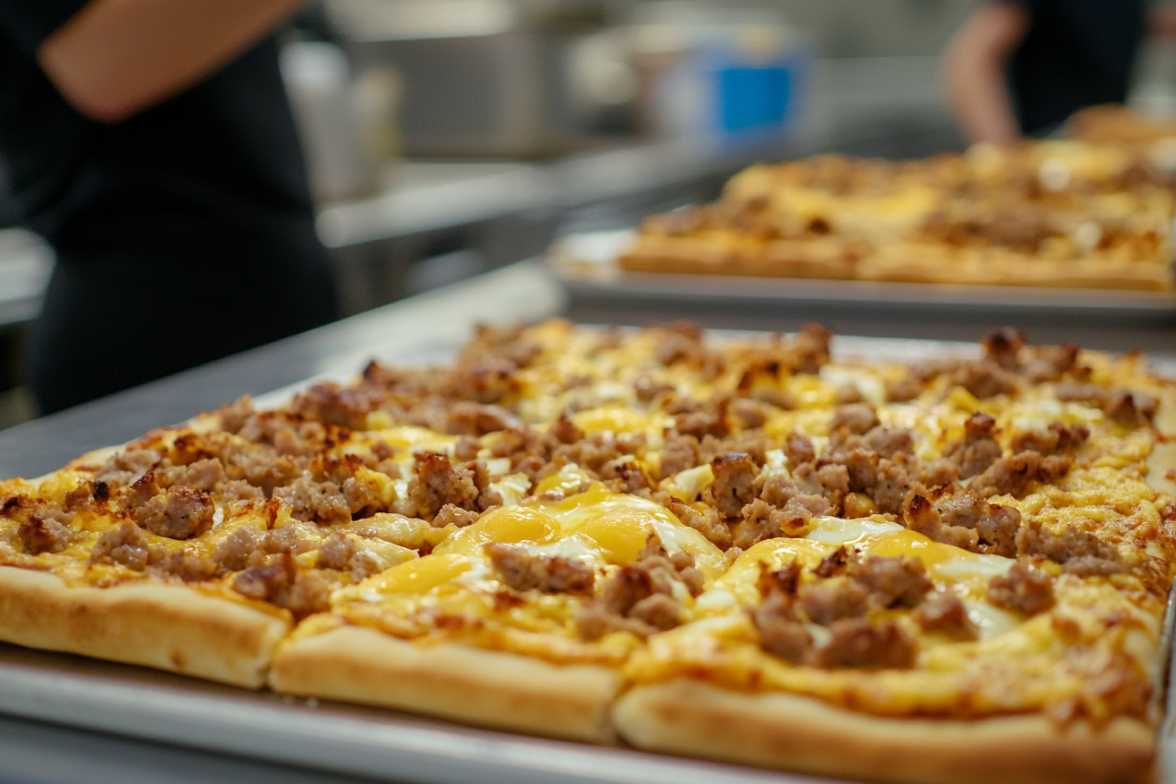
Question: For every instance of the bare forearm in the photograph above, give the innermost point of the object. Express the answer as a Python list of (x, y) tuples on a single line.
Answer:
[(117, 57), (975, 61), (981, 101), (1162, 22)]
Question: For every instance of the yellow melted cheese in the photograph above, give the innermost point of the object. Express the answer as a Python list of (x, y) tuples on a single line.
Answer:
[(599, 527), (613, 419)]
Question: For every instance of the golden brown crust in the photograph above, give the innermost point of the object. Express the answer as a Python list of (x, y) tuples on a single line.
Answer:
[(780, 259), (1161, 463), (91, 459), (901, 262), (785, 731), (169, 627), (453, 681)]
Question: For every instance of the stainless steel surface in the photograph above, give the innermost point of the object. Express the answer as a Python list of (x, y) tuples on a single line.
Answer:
[(585, 264), (33, 752), (419, 197), (333, 737), (481, 77), (25, 264), (324, 98)]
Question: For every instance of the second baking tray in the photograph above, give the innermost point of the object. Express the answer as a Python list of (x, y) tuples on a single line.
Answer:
[(585, 265)]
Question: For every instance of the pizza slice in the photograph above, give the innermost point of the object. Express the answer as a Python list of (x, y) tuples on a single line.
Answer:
[(1054, 213), (988, 602), (522, 620), (196, 549), (914, 660)]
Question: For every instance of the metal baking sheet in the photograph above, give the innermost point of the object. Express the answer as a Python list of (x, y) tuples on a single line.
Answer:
[(585, 265), (330, 736)]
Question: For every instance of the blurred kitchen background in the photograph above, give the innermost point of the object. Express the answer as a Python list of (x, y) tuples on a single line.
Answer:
[(449, 137)]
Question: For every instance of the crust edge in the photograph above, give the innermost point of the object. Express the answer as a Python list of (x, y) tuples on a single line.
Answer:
[(168, 627), (450, 680), (787, 731)]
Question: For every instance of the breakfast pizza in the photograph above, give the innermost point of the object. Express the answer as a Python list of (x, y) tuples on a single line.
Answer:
[(1053, 213), (946, 567), (1118, 125)]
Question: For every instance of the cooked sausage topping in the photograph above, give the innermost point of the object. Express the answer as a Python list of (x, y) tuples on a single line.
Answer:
[(1013, 475), (781, 633), (438, 482), (1057, 437), (310, 500), (856, 642), (43, 535), (1003, 347), (523, 570), (1024, 589), (640, 598), (833, 564), (830, 600), (985, 379), (177, 513), (279, 582), (892, 582), (978, 450), (703, 519), (126, 545), (857, 418), (451, 514), (732, 489), (476, 419), (890, 441), (943, 612), (1079, 552), (799, 449), (1131, 409), (677, 454)]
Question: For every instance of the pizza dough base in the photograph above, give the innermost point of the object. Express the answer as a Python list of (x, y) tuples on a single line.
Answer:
[(490, 688), (786, 731), (792, 732), (150, 623), (177, 629), (914, 263)]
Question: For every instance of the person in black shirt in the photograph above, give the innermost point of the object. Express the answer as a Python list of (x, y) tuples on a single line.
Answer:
[(1023, 66), (151, 142)]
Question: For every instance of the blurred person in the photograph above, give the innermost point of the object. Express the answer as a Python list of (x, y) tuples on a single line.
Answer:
[(1021, 67), (151, 142)]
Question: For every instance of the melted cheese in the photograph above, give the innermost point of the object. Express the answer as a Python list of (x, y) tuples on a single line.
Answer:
[(965, 572), (414, 577), (622, 420), (688, 485), (597, 525), (406, 439), (568, 479), (867, 383)]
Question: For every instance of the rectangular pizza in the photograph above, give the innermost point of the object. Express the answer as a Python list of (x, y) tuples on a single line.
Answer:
[(1118, 125), (950, 568), (1053, 214)]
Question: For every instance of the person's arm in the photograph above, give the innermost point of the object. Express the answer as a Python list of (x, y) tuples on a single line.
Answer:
[(974, 64), (115, 58), (1161, 22)]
